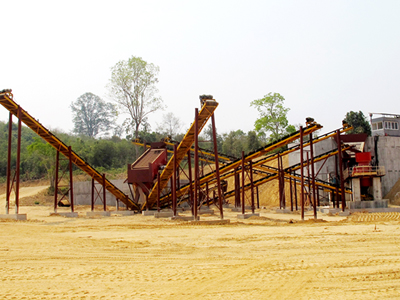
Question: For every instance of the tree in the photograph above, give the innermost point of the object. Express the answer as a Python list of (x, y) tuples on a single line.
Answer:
[(170, 125), (234, 143), (253, 143), (133, 87), (92, 115), (45, 155), (358, 121), (272, 116)]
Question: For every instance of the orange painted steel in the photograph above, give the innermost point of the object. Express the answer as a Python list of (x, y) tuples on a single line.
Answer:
[(6, 99)]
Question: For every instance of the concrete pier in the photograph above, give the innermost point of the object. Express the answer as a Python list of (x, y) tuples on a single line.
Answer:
[(246, 216), (19, 217), (98, 214)]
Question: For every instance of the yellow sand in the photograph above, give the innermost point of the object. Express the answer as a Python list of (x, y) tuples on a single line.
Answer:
[(137, 257)]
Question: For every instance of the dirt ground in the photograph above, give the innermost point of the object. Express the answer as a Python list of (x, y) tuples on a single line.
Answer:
[(274, 256)]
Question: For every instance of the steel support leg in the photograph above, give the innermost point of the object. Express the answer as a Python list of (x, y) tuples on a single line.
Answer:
[(252, 187), (174, 178), (221, 209), (92, 198), (104, 193), (196, 161), (56, 181), (71, 182), (243, 202), (18, 162), (341, 170), (158, 191), (301, 173), (8, 187), (314, 197)]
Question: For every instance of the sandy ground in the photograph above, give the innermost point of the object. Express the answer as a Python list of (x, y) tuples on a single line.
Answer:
[(23, 192), (275, 256)]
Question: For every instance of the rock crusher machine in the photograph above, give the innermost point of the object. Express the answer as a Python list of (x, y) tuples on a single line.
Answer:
[(143, 172)]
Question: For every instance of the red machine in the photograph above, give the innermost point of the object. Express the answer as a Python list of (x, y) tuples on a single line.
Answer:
[(144, 170), (364, 168)]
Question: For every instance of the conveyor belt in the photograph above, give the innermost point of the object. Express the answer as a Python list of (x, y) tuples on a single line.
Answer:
[(253, 155), (6, 99), (205, 113)]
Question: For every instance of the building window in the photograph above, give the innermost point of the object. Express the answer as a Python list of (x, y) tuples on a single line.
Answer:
[(391, 125), (377, 126)]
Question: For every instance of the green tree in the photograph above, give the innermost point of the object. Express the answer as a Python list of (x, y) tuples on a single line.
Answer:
[(272, 118), (45, 156), (359, 122), (133, 87), (234, 143), (92, 115), (253, 142)]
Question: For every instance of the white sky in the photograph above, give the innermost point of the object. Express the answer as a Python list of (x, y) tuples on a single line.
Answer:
[(325, 57)]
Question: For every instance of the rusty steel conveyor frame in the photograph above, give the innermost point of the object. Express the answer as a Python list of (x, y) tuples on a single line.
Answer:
[(253, 155), (6, 99), (225, 170), (207, 110)]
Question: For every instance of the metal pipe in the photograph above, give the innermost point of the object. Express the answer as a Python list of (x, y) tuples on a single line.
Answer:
[(221, 209)]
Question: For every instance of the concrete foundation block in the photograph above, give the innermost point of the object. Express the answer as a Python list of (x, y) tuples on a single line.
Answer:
[(211, 222), (344, 213), (19, 217), (384, 203), (148, 212), (185, 218), (65, 214), (206, 211), (283, 211), (98, 214), (124, 212), (163, 214), (332, 211), (246, 216)]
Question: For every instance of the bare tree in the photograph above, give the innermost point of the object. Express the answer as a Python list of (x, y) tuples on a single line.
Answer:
[(170, 125), (133, 87)]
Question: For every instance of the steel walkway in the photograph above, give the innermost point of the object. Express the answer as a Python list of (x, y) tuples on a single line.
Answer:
[(6, 99)]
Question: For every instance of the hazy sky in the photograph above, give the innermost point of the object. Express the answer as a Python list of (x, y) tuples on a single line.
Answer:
[(325, 57)]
